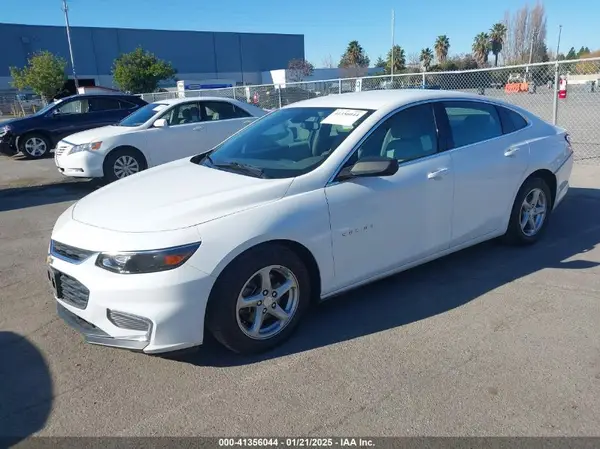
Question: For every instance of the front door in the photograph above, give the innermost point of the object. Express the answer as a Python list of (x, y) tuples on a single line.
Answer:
[(183, 137), (382, 223), (221, 119)]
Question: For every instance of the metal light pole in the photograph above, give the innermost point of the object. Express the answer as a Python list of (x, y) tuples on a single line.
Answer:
[(558, 44), (533, 39), (66, 11), (392, 58)]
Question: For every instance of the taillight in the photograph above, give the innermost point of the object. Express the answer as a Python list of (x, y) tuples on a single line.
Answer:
[(568, 140)]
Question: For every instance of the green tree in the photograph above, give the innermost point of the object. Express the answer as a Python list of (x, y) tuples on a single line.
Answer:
[(442, 47), (399, 60), (426, 58), (44, 74), (572, 53), (141, 71), (299, 69), (481, 48), (582, 52), (497, 37), (354, 56), (380, 63)]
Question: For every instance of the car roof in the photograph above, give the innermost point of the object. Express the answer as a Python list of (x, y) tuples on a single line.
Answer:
[(120, 94), (171, 101), (385, 99)]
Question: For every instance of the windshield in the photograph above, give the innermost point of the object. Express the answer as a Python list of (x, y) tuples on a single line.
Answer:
[(143, 114), (47, 107), (286, 143)]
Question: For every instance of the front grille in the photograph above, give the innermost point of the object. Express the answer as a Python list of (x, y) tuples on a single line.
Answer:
[(128, 321), (60, 149), (69, 253), (70, 290)]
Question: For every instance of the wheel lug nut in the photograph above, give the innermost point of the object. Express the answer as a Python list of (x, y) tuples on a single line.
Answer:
[(265, 292), (260, 303), (265, 310), (274, 294), (274, 305)]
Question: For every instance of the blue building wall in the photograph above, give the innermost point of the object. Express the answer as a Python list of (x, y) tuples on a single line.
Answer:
[(239, 56)]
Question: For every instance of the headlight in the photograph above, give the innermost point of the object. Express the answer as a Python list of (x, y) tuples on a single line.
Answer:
[(92, 146), (4, 130), (146, 261)]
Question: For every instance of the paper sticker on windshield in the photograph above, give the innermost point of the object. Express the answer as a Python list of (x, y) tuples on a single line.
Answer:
[(159, 107), (343, 117)]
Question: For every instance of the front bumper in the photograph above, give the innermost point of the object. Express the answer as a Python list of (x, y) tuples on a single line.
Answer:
[(8, 144), (172, 303), (79, 165)]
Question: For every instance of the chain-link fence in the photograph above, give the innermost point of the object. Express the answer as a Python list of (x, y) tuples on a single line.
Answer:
[(535, 87), (18, 105)]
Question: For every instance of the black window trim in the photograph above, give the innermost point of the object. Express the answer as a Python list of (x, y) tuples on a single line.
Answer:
[(432, 101)]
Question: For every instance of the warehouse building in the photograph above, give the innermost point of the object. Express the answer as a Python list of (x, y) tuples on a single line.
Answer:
[(197, 55)]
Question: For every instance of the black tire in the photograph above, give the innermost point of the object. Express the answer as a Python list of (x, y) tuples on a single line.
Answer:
[(23, 140), (515, 234), (110, 172), (222, 313)]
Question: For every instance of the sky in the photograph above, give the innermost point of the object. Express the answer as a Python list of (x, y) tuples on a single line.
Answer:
[(327, 25)]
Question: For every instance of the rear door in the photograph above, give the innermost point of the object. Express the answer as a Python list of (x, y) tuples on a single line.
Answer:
[(221, 119), (489, 165), (107, 110)]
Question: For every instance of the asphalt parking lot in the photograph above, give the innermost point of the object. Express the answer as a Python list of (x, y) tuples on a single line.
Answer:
[(491, 341)]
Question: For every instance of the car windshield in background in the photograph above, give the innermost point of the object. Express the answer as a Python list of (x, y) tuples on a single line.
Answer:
[(143, 114), (286, 143)]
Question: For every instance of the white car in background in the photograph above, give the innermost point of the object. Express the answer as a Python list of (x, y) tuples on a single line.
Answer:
[(308, 202), (157, 133)]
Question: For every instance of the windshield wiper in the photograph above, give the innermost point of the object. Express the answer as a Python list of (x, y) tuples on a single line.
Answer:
[(242, 168)]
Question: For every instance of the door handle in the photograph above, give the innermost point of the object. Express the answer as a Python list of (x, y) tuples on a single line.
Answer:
[(511, 151), (437, 174), (198, 128), (247, 122)]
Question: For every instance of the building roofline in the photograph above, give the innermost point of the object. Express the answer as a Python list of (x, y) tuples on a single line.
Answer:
[(147, 29)]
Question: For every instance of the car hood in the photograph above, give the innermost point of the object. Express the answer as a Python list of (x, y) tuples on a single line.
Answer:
[(18, 123), (176, 195), (95, 134)]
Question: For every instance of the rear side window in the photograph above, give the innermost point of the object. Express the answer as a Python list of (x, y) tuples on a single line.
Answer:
[(472, 122), (103, 104), (511, 120), (222, 110), (127, 105)]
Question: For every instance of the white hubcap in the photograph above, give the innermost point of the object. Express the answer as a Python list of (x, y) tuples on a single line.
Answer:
[(125, 166), (35, 146)]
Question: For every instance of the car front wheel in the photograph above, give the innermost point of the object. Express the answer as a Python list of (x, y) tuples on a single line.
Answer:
[(122, 163), (34, 146), (259, 299)]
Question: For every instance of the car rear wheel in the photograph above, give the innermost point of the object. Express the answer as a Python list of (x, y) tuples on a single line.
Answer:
[(122, 163), (34, 146), (530, 213), (259, 299)]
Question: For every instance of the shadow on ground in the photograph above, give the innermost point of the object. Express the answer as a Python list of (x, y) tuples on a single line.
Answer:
[(433, 288), (26, 389), (13, 198)]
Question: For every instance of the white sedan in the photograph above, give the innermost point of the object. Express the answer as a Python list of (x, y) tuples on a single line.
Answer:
[(306, 203), (157, 133)]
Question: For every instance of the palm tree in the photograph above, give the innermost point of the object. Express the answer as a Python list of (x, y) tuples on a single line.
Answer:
[(426, 58), (481, 48), (497, 36), (442, 45)]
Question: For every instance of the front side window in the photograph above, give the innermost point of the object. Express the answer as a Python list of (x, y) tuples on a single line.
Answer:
[(222, 110), (73, 107), (472, 122), (408, 135), (182, 114), (288, 142)]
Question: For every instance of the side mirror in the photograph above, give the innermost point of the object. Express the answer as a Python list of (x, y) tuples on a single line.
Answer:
[(161, 123), (369, 167)]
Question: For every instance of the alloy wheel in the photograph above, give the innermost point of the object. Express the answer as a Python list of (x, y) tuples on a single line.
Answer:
[(267, 302), (35, 146), (125, 166), (533, 212)]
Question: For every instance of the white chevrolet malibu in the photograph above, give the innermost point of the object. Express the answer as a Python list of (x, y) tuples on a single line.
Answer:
[(307, 202), (155, 134)]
